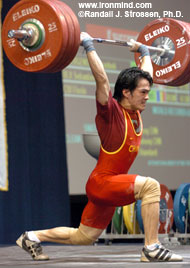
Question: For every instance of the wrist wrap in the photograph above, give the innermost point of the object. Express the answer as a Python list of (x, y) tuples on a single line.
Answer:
[(143, 50), (88, 45)]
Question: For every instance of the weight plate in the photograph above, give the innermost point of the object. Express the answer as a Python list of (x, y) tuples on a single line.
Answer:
[(166, 33), (181, 206), (183, 79), (139, 217), (166, 210), (65, 50), (65, 28), (117, 219), (129, 216), (64, 57), (189, 205), (75, 35), (49, 16)]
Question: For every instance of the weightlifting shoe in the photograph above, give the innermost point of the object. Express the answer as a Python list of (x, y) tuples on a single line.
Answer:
[(159, 254), (33, 248)]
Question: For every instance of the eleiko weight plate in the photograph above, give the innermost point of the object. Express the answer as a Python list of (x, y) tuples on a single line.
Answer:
[(166, 210), (181, 206), (129, 216), (166, 33), (46, 14)]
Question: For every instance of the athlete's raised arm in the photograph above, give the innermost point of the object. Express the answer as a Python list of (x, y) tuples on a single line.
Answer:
[(146, 64), (98, 71)]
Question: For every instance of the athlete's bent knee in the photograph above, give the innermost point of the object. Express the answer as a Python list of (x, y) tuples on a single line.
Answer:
[(78, 237), (149, 192)]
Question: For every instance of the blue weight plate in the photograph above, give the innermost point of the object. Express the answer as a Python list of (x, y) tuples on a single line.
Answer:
[(138, 215), (181, 206)]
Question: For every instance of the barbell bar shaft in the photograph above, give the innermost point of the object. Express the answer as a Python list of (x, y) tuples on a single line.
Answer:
[(128, 44), (24, 34)]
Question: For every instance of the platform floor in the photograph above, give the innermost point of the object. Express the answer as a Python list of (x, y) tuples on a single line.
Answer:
[(95, 256)]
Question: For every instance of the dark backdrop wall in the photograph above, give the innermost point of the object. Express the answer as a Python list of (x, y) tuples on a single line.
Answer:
[(38, 188)]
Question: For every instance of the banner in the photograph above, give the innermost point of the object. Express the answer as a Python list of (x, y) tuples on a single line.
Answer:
[(3, 132)]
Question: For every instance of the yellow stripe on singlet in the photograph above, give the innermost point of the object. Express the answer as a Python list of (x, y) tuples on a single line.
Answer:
[(137, 134), (123, 140)]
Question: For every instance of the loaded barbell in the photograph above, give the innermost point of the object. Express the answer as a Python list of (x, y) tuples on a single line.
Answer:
[(44, 36)]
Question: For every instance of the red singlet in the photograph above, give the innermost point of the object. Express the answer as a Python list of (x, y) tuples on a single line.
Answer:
[(109, 185)]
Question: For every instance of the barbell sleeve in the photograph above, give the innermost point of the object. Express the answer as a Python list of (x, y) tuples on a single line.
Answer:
[(21, 34)]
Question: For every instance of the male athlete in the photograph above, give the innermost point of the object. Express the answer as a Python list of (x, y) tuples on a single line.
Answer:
[(119, 125)]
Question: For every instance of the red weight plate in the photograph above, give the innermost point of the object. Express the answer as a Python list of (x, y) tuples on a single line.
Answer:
[(173, 31), (76, 29), (166, 210), (185, 78), (75, 35), (41, 59), (65, 55), (64, 32)]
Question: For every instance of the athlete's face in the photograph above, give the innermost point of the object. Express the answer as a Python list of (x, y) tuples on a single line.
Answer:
[(138, 98)]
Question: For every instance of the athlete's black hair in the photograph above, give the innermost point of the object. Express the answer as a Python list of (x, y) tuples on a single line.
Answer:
[(128, 79)]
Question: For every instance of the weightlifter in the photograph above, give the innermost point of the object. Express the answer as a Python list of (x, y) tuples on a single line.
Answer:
[(119, 125)]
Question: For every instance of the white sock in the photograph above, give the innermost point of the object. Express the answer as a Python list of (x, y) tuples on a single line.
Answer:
[(33, 237), (152, 246)]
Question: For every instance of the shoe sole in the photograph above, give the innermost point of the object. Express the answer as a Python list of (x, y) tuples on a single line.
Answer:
[(19, 243), (144, 259)]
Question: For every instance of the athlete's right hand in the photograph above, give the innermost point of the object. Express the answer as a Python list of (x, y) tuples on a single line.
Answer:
[(84, 35), (135, 45)]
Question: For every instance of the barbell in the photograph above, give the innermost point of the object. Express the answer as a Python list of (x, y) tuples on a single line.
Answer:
[(44, 36)]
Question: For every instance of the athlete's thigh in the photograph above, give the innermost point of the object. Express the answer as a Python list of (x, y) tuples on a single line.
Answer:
[(117, 190), (97, 216)]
